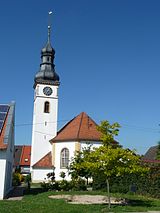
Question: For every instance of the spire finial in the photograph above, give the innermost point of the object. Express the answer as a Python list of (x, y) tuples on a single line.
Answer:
[(49, 25)]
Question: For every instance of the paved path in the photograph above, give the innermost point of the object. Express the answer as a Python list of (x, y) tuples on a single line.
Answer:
[(16, 193)]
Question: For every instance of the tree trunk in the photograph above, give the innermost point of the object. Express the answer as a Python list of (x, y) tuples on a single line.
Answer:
[(108, 191)]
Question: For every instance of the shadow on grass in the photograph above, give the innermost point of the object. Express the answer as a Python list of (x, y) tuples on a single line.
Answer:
[(33, 191), (139, 203)]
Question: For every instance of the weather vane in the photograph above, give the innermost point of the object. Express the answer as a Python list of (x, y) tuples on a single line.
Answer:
[(49, 24)]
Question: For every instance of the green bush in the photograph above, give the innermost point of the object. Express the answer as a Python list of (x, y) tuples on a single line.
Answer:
[(22, 178), (65, 185), (148, 184), (16, 179), (45, 186), (50, 185), (99, 182), (27, 178), (62, 174), (78, 184)]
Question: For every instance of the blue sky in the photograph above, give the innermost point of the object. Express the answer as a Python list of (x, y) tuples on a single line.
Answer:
[(107, 56)]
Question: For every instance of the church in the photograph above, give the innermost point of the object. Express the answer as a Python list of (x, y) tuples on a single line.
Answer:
[(52, 150)]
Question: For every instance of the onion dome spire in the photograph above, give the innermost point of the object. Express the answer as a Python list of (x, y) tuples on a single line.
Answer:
[(46, 73)]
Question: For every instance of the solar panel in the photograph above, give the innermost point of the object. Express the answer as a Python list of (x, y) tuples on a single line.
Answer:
[(3, 113), (1, 125), (2, 116), (4, 108)]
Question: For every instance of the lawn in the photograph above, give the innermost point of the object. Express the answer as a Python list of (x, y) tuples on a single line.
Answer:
[(38, 202)]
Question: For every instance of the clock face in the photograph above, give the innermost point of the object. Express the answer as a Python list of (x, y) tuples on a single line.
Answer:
[(47, 91)]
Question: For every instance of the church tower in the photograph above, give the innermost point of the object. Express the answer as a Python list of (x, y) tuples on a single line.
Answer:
[(46, 83)]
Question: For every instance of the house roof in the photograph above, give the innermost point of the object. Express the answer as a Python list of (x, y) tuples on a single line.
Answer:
[(45, 162), (6, 123), (2, 135), (17, 155), (22, 155), (25, 156), (150, 155), (80, 128)]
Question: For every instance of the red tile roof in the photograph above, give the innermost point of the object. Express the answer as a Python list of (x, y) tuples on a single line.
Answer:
[(2, 134), (17, 154), (150, 161), (25, 156), (80, 128), (45, 162)]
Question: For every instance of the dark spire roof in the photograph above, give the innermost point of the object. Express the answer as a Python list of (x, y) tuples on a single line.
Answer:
[(46, 73)]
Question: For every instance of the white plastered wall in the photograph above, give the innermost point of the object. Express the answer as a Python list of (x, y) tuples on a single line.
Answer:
[(2, 177), (94, 144), (44, 124), (40, 175), (71, 146), (6, 156), (58, 147)]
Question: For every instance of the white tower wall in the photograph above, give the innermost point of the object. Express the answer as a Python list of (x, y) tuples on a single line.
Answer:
[(44, 124)]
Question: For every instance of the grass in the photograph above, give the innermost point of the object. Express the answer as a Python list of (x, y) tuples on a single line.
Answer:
[(37, 201)]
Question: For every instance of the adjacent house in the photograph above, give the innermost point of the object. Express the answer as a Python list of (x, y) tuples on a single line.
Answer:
[(7, 117), (151, 155), (22, 156)]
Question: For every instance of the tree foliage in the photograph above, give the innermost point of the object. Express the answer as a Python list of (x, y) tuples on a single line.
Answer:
[(77, 167), (107, 160), (113, 162), (108, 132), (158, 152)]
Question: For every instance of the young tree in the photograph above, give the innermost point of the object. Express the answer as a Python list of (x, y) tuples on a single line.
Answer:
[(108, 131), (108, 160), (77, 167), (113, 160)]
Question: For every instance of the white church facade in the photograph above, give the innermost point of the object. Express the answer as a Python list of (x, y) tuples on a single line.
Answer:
[(73, 137), (52, 150)]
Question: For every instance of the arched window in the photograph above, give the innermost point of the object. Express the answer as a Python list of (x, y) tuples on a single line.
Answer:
[(46, 107), (64, 158)]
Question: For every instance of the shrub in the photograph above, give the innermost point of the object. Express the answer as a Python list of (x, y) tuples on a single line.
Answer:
[(78, 184), (22, 178), (99, 182), (51, 176), (50, 185), (45, 186), (27, 180), (148, 184), (62, 174), (65, 185), (16, 179)]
